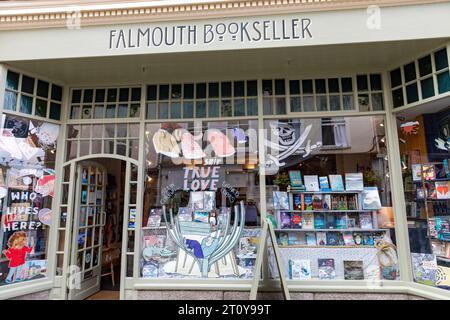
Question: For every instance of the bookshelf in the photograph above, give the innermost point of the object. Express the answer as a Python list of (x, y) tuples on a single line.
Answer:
[(436, 207), (330, 207)]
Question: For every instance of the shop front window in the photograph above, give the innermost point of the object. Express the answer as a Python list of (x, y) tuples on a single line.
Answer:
[(27, 152), (328, 197), (424, 141), (202, 178)]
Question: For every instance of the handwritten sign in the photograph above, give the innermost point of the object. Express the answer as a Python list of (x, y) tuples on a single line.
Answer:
[(201, 178)]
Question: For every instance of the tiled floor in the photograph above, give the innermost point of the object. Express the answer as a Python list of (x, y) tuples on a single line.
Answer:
[(105, 295)]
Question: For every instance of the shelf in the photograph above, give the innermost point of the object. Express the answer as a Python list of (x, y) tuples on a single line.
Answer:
[(433, 180), (332, 230), (325, 247), (323, 211), (326, 192), (153, 228), (443, 259)]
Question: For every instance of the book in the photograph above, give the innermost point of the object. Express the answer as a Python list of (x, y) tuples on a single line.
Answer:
[(247, 247), (321, 238), (342, 203), (432, 227), (316, 202), (371, 198), (326, 269), (333, 238), (353, 270), (201, 216), (326, 202), (296, 179), (428, 172), (341, 220), (308, 220), (292, 238), (196, 200), (354, 181), (283, 239), (296, 220), (307, 202), (442, 228), (319, 221), (132, 218), (297, 199), (311, 239), (280, 200), (330, 221), (300, 269), (416, 170), (420, 194), (365, 220), (358, 238), (209, 200), (352, 202), (424, 268), (154, 221), (368, 239), (442, 189), (323, 183), (312, 183), (438, 248), (336, 182), (348, 239), (446, 164), (285, 220), (184, 214)]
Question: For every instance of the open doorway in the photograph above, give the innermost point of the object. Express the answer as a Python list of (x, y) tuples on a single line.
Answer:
[(96, 246)]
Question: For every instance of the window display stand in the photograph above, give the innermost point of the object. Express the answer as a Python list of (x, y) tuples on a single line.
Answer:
[(267, 230)]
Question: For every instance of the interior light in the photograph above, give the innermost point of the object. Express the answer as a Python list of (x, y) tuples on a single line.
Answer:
[(381, 124)]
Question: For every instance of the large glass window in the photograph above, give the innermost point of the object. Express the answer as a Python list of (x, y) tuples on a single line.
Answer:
[(206, 175), (425, 154), (328, 196), (27, 150)]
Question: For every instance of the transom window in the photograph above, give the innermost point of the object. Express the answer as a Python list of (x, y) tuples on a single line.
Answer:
[(32, 96), (100, 103), (421, 79), (202, 100)]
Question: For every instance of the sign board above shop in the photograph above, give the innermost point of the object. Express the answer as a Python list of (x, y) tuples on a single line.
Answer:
[(371, 24), (250, 31)]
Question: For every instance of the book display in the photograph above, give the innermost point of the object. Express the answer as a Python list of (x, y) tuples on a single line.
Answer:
[(432, 205), (336, 220)]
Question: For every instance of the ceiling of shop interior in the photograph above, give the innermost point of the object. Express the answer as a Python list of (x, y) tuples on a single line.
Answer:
[(244, 64)]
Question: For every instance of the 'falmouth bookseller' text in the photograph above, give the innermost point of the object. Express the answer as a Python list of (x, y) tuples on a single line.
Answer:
[(211, 33)]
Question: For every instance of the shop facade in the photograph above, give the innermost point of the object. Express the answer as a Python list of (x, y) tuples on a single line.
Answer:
[(328, 120)]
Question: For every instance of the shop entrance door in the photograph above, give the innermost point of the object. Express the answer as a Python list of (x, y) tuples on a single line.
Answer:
[(87, 231)]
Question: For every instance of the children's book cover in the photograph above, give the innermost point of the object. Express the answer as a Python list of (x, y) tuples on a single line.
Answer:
[(332, 238), (308, 220), (296, 220), (317, 202), (326, 269), (336, 182), (308, 202), (365, 220), (348, 239), (300, 269), (311, 239), (319, 221), (296, 179), (326, 202), (323, 183), (312, 183), (321, 238)]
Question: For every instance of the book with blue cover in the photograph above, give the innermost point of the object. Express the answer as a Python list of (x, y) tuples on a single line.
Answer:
[(307, 202), (333, 238), (296, 179), (336, 182), (330, 221), (311, 238), (341, 220), (323, 183), (319, 221)]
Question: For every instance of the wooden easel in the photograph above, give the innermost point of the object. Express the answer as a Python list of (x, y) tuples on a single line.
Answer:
[(267, 229)]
